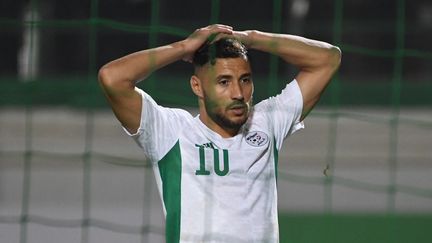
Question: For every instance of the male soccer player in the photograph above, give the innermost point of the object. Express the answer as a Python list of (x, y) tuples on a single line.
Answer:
[(216, 172)]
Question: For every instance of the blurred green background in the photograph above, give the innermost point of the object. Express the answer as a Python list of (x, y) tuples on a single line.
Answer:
[(375, 118)]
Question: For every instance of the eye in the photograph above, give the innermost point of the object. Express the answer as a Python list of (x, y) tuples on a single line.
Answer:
[(246, 80), (223, 82)]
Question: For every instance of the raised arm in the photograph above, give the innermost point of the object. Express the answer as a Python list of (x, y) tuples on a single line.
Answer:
[(317, 61), (119, 77)]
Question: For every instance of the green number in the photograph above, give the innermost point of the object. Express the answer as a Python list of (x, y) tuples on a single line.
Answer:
[(216, 163), (202, 170)]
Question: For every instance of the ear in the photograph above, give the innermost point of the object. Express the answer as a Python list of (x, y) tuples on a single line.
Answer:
[(196, 86)]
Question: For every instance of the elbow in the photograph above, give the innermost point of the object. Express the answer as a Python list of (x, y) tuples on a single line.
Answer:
[(112, 83), (109, 78), (327, 58), (334, 57), (105, 76)]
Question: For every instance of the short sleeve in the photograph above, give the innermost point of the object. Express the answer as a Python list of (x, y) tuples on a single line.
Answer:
[(159, 127), (284, 111)]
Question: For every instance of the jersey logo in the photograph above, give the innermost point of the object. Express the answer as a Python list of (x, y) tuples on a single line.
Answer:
[(257, 139), (205, 145)]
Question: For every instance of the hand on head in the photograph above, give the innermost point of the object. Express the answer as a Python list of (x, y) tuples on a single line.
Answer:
[(202, 35)]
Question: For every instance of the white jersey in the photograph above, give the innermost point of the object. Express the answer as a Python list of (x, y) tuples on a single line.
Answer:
[(216, 189)]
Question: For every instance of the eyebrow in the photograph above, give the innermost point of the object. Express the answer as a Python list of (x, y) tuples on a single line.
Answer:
[(223, 76), (246, 75), (227, 76)]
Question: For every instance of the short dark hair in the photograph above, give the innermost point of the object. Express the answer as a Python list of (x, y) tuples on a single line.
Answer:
[(222, 48)]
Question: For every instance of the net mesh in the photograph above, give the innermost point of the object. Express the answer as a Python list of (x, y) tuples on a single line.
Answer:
[(69, 175)]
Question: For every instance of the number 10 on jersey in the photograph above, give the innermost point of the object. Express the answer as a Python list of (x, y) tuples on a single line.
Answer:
[(216, 163)]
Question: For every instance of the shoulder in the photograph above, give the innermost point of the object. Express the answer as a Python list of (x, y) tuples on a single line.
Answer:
[(290, 98), (150, 104), (281, 113), (156, 118)]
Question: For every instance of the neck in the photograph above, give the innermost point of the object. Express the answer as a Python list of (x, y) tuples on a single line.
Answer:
[(222, 131)]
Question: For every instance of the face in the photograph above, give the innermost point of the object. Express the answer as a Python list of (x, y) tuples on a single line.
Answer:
[(227, 89)]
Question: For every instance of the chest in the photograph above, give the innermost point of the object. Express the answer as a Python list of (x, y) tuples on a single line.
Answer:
[(251, 156)]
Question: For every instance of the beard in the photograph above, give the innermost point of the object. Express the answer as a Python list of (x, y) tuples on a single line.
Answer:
[(223, 120)]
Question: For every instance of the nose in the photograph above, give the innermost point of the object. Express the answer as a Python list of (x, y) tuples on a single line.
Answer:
[(237, 91)]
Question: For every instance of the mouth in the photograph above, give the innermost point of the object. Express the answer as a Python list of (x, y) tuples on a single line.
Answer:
[(238, 110)]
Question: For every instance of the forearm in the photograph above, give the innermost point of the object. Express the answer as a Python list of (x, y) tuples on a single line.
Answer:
[(305, 54), (119, 77), (316, 61), (130, 69)]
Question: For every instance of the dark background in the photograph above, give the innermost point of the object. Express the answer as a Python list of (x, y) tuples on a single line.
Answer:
[(75, 38)]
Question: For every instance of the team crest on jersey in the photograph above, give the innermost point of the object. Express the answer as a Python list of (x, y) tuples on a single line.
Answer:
[(257, 139)]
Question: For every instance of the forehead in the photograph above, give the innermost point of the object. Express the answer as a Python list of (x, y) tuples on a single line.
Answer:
[(226, 66)]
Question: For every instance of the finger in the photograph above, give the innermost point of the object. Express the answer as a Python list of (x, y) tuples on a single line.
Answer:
[(218, 37), (221, 28)]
